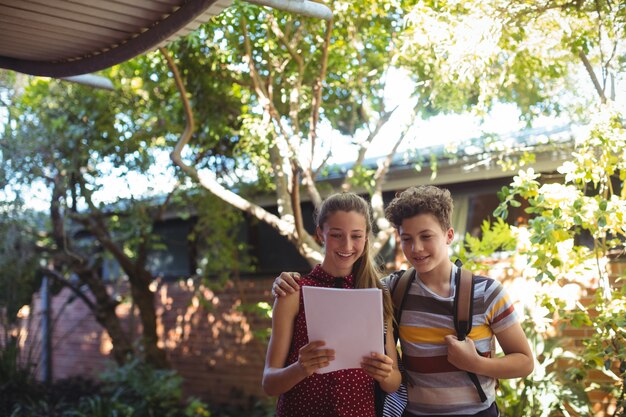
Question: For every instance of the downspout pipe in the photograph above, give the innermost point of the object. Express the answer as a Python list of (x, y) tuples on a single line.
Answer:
[(303, 7)]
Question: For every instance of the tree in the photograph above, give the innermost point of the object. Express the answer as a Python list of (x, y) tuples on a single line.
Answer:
[(60, 142), (292, 75), (83, 151)]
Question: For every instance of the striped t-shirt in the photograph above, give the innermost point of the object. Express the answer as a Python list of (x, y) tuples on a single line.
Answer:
[(441, 388)]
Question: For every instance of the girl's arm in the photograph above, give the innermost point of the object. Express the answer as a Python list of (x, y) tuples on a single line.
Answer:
[(278, 378), (517, 361), (384, 368)]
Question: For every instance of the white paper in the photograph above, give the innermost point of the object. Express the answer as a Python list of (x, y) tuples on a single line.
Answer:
[(350, 321)]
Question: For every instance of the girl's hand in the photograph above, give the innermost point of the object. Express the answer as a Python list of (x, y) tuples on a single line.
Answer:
[(286, 283), (311, 357), (378, 366)]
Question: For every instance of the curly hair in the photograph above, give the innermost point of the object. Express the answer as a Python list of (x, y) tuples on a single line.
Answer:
[(423, 199)]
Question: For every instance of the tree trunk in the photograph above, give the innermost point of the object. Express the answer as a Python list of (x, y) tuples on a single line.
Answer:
[(144, 300), (104, 306), (105, 315)]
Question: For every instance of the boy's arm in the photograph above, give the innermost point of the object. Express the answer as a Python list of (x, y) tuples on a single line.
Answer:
[(286, 283), (518, 360)]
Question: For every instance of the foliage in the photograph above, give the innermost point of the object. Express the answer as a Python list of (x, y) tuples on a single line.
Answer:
[(263, 310), (261, 408), (521, 52), (537, 55), (33, 398), (222, 253), (574, 227), (552, 389), (296, 78), (134, 390), (83, 149), (149, 391), (16, 375), (76, 153), (66, 138), (495, 237), (18, 280)]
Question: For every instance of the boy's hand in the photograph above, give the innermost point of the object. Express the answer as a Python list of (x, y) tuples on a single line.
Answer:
[(378, 366), (462, 354), (286, 283), (311, 357)]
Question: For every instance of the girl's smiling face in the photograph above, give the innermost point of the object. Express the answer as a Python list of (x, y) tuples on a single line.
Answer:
[(344, 234)]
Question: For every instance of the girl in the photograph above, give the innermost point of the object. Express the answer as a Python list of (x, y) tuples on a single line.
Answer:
[(343, 225)]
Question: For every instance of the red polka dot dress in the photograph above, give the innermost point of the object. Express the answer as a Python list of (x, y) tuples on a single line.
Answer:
[(343, 393)]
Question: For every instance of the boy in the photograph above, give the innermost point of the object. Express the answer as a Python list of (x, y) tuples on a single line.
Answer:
[(433, 357)]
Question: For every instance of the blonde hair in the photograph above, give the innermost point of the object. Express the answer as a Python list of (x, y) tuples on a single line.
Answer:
[(365, 271)]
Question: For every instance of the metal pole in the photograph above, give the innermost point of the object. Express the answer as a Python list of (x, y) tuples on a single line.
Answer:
[(46, 332)]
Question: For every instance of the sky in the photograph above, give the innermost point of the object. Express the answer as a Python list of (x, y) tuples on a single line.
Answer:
[(442, 129)]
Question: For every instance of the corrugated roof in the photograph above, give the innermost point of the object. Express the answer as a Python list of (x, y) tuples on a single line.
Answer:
[(60, 38)]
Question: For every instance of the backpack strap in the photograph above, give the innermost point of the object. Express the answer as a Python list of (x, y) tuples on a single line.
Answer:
[(399, 289), (463, 312), (463, 302)]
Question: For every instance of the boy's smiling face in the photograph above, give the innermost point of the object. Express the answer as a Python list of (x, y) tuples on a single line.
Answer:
[(425, 243)]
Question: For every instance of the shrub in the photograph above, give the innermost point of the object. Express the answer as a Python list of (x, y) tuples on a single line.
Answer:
[(132, 390)]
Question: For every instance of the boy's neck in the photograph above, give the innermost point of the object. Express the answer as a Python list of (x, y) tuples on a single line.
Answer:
[(438, 279)]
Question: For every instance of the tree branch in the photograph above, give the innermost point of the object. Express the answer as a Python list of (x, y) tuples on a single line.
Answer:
[(382, 120), (383, 168), (317, 93), (384, 227), (295, 202), (265, 94), (65, 283), (211, 183), (294, 96), (281, 179), (592, 75)]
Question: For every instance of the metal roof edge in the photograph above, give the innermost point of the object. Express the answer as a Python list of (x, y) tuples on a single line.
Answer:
[(143, 42)]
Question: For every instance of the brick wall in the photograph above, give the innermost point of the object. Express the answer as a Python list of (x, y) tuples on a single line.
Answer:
[(211, 346), (603, 404)]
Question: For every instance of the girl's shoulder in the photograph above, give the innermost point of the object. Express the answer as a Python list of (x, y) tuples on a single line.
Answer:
[(308, 280)]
